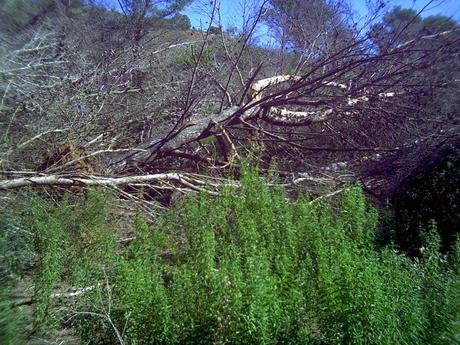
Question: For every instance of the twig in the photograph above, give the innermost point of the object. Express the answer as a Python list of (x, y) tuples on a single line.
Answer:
[(38, 136)]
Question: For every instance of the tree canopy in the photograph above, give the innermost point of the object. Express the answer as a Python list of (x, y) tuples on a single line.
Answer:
[(311, 26)]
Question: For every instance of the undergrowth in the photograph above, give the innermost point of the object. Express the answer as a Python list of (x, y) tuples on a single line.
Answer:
[(246, 267), (12, 320)]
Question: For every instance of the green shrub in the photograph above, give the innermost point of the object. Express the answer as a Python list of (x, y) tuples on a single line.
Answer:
[(451, 330), (441, 290), (70, 242), (17, 255), (12, 321), (187, 58), (432, 193), (50, 242), (248, 267)]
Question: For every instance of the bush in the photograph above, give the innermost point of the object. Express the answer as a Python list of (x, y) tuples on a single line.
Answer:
[(432, 193), (12, 321), (188, 58), (249, 267), (66, 242), (16, 251)]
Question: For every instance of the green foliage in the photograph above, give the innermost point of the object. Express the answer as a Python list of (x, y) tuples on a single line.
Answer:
[(25, 12), (432, 194), (12, 321), (180, 22), (49, 236), (15, 257), (402, 24), (188, 58), (69, 241), (441, 285), (247, 267), (364, 296), (155, 9), (141, 290), (451, 331), (16, 251)]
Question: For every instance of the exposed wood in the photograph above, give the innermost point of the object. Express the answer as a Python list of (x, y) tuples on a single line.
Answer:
[(56, 180)]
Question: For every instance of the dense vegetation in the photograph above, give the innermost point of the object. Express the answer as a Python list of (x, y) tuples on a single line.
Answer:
[(246, 267), (431, 194), (130, 215)]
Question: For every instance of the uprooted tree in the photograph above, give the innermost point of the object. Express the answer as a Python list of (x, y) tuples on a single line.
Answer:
[(180, 112)]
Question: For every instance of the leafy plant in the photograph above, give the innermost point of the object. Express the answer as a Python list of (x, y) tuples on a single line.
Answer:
[(248, 266), (12, 321), (188, 58)]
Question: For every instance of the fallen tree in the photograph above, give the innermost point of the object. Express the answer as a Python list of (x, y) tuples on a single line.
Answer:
[(357, 101)]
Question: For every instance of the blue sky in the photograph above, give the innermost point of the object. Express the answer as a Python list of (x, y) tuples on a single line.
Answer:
[(233, 14)]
